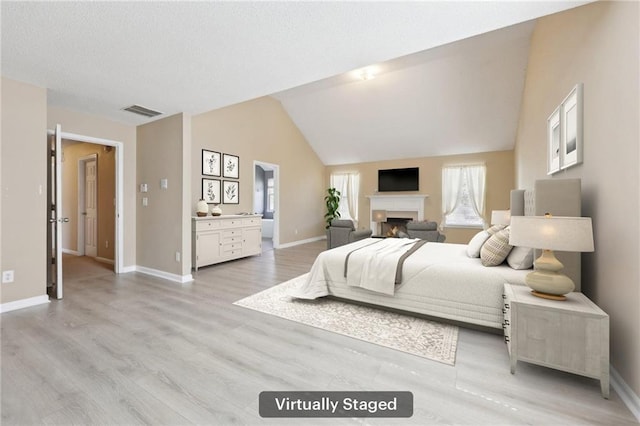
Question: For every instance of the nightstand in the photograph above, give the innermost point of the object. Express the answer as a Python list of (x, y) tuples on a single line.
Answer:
[(570, 335)]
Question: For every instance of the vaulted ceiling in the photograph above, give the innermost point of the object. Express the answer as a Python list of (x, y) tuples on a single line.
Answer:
[(192, 57)]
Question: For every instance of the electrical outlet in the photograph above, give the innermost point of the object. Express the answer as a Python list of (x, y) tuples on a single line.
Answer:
[(177, 256), (145, 201), (7, 276)]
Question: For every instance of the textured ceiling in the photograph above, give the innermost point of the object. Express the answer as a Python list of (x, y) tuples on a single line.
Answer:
[(99, 57)]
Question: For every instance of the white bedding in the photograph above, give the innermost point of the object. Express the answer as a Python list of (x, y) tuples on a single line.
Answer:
[(439, 279)]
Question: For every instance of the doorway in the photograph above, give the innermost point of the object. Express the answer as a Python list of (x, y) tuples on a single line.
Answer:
[(77, 181), (266, 201)]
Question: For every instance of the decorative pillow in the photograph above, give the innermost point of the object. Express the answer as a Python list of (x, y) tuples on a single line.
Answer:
[(401, 234), (520, 258), (474, 246), (496, 228), (496, 249)]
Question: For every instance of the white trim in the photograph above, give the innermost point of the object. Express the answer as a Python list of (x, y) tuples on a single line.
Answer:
[(626, 394), (82, 187), (119, 146), (166, 275), (24, 303), (104, 260), (276, 190), (127, 269), (297, 243), (71, 252)]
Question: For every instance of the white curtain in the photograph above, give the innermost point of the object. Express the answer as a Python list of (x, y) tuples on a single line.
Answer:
[(349, 186), (451, 182), (475, 186)]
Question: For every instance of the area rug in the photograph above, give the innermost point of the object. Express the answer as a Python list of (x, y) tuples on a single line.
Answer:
[(405, 333)]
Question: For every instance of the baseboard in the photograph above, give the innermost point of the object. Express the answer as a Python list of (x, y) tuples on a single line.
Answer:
[(297, 243), (73, 252), (104, 260), (24, 303), (626, 394), (127, 269), (166, 275)]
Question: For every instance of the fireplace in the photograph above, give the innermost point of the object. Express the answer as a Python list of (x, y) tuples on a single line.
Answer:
[(403, 207), (399, 223)]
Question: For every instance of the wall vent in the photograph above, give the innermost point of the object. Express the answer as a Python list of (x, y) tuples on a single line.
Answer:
[(140, 110)]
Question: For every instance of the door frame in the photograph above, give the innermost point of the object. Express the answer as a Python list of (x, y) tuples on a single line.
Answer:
[(119, 207), (81, 194), (276, 189)]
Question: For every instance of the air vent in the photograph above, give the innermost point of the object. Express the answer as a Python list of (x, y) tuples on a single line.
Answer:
[(140, 110)]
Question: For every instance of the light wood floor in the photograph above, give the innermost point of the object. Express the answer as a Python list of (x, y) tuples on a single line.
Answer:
[(134, 349)]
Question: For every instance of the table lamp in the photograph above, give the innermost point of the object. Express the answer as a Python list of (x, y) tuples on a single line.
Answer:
[(501, 217), (551, 233), (379, 216)]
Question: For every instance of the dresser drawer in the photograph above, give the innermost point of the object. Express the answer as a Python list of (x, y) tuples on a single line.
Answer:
[(252, 221), (231, 233), (231, 223), (205, 225), (227, 247)]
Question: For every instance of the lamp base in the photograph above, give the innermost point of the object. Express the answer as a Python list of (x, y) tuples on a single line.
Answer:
[(548, 296), (546, 281)]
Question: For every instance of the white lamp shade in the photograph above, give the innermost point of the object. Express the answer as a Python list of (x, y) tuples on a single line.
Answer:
[(552, 233), (500, 217), (379, 215)]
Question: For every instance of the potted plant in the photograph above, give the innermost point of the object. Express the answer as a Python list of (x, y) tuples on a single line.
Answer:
[(332, 200)]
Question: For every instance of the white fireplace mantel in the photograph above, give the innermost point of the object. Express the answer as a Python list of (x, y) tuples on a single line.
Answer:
[(413, 203)]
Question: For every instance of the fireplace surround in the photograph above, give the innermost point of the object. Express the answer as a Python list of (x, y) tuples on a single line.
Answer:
[(410, 207)]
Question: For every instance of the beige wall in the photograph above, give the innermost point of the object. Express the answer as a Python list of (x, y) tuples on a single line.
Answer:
[(162, 225), (597, 45), (24, 183), (89, 125), (261, 130), (106, 181), (500, 180)]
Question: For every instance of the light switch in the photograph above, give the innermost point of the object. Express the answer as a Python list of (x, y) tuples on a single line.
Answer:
[(143, 187), (164, 184)]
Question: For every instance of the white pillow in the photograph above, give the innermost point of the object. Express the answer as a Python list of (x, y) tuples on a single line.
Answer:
[(520, 258), (473, 249)]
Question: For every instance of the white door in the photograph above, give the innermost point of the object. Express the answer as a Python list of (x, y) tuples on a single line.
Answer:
[(56, 221), (90, 208)]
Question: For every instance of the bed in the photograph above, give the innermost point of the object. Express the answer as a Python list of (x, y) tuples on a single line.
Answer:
[(437, 279)]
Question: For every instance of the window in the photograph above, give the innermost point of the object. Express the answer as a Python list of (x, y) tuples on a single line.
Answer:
[(463, 194), (270, 196), (348, 184)]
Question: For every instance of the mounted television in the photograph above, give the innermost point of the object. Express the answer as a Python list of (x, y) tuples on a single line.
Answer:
[(391, 180)]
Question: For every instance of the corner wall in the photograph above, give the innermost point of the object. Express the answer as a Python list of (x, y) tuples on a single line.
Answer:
[(24, 189), (164, 224), (597, 45), (261, 130)]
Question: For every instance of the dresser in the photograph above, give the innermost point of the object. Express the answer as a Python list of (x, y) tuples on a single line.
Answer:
[(570, 335), (216, 239)]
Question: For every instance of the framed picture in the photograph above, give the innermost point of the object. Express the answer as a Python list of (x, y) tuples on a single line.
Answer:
[(554, 135), (230, 192), (230, 166), (210, 163), (571, 141), (211, 191)]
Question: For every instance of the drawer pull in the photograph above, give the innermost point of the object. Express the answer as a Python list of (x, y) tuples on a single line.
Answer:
[(504, 311), (506, 339), (504, 296), (506, 306)]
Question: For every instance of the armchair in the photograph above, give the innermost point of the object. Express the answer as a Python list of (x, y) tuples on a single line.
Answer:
[(343, 232), (425, 231)]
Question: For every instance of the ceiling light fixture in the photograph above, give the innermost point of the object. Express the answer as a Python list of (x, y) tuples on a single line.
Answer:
[(367, 74)]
